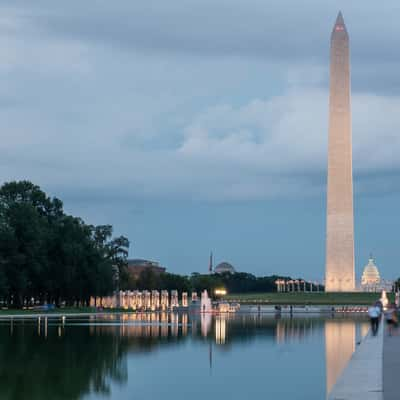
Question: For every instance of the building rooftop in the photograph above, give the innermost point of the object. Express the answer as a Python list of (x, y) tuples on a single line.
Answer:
[(142, 262), (224, 267)]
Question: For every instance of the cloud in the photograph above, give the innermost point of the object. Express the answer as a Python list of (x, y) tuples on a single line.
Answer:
[(247, 27), (289, 132), (23, 50), (286, 137), (274, 33), (209, 101), (261, 149), (272, 135)]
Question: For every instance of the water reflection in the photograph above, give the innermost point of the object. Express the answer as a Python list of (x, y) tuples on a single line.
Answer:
[(294, 329), (35, 363), (340, 341), (220, 330), (61, 359)]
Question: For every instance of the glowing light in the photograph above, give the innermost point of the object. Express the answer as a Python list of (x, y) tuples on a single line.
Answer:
[(220, 292)]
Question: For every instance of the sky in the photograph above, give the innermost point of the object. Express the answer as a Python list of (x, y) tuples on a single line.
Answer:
[(193, 126)]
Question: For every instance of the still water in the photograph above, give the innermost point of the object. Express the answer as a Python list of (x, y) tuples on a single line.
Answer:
[(170, 356)]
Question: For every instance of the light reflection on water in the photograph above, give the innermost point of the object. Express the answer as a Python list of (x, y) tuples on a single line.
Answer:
[(339, 346), (173, 356)]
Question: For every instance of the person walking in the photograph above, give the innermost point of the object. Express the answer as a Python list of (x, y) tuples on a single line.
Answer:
[(391, 318), (374, 313)]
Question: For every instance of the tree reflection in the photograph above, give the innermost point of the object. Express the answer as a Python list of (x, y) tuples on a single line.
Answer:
[(34, 367)]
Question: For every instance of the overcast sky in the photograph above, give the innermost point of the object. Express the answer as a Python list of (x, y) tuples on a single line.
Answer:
[(193, 126)]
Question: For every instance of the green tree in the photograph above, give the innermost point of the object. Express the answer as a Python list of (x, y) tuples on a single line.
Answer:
[(205, 282), (175, 282), (113, 250), (50, 256)]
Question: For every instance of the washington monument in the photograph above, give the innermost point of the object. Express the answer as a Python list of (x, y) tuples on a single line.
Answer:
[(340, 226)]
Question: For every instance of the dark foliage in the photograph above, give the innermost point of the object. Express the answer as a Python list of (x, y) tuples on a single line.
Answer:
[(234, 283), (50, 256)]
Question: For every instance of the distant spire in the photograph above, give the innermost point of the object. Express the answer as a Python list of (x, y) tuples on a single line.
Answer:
[(339, 19), (210, 265), (339, 24)]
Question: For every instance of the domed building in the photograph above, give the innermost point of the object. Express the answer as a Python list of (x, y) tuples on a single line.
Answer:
[(224, 267), (370, 280)]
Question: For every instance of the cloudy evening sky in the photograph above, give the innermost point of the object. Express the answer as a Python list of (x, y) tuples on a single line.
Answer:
[(197, 125)]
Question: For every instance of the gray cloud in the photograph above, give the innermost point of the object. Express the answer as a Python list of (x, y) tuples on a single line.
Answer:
[(244, 28), (277, 32), (208, 100), (258, 150)]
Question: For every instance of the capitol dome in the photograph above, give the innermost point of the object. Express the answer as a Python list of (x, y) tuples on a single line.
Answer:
[(370, 275), (224, 267)]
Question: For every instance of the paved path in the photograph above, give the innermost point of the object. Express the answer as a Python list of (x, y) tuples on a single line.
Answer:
[(362, 377), (391, 366)]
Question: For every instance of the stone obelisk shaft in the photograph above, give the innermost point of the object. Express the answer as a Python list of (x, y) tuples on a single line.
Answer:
[(340, 223)]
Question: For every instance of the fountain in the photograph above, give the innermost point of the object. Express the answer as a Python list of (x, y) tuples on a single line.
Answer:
[(384, 300), (205, 303)]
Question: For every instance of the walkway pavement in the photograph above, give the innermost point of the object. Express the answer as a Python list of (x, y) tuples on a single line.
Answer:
[(391, 366), (362, 377)]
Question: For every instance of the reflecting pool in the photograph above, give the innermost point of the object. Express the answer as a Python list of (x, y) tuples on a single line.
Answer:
[(171, 356)]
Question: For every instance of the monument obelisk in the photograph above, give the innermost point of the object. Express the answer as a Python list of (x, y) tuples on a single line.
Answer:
[(340, 222)]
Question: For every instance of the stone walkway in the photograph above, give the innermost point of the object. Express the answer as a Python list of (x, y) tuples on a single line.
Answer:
[(362, 378), (391, 365)]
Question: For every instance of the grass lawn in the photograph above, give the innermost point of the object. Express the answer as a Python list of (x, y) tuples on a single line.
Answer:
[(321, 298)]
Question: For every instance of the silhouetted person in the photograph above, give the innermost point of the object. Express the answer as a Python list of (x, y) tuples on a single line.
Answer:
[(374, 313)]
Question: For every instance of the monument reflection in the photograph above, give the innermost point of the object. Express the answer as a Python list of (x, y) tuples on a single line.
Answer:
[(340, 341)]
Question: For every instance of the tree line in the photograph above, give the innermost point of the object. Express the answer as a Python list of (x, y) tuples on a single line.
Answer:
[(50, 256), (234, 283)]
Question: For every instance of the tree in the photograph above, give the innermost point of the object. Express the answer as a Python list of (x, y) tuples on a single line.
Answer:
[(175, 282), (51, 256), (205, 282), (114, 250), (149, 280)]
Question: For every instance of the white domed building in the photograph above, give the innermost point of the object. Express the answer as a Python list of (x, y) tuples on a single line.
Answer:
[(371, 279), (223, 268)]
